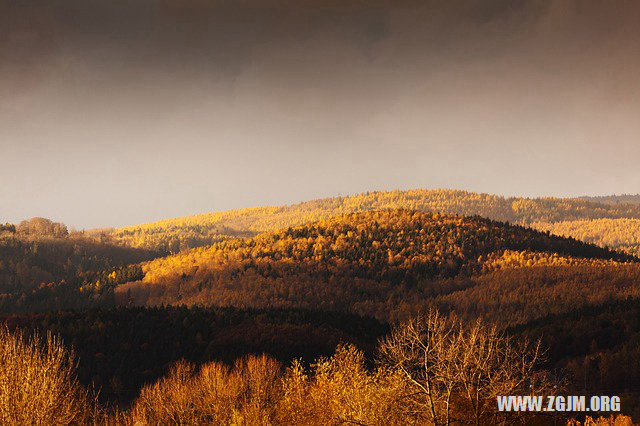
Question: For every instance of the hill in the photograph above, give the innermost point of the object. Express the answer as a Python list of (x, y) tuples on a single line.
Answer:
[(43, 267), (372, 263), (178, 234), (619, 234), (394, 264), (614, 199), (253, 295)]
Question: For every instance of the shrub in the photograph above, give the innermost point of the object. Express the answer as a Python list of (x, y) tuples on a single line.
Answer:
[(38, 383), (340, 390), (216, 394)]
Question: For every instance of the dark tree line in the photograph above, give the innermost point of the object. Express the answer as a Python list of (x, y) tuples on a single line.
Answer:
[(119, 350)]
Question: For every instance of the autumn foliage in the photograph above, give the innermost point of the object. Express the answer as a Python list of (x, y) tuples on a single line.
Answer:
[(38, 384), (386, 264), (301, 280), (431, 370), (200, 230)]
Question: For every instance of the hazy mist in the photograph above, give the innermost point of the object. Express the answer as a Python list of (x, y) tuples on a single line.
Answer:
[(116, 112)]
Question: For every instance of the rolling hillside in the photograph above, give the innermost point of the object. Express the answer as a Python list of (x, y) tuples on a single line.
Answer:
[(615, 199), (274, 276), (620, 234), (177, 234), (394, 264), (43, 267), (373, 263)]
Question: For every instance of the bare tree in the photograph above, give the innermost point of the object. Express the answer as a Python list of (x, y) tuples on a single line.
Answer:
[(417, 350), (488, 364), (456, 371)]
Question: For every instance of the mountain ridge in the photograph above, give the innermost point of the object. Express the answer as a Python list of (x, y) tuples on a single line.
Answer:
[(351, 260), (173, 235)]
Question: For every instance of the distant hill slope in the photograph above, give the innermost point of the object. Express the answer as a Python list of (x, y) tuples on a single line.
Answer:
[(47, 270), (27, 263), (619, 234), (175, 234), (369, 263), (614, 199)]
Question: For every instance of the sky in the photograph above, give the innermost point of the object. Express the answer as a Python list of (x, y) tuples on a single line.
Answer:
[(117, 112)]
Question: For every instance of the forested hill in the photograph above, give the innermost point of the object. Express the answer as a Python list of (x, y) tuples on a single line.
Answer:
[(44, 267), (174, 235), (389, 264), (620, 234), (615, 199), (350, 261)]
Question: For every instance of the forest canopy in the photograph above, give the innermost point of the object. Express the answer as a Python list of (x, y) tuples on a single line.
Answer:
[(298, 281), (173, 235), (373, 263)]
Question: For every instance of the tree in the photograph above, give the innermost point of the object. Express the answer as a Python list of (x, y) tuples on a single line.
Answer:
[(455, 371), (41, 227)]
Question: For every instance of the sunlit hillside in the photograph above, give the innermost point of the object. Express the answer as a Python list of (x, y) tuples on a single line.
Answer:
[(619, 234), (300, 291), (175, 234), (297, 281), (370, 263), (396, 264)]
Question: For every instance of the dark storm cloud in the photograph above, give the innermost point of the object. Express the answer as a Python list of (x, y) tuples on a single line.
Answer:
[(172, 107)]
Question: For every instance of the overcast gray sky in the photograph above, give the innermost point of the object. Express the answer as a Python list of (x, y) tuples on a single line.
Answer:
[(116, 112)]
